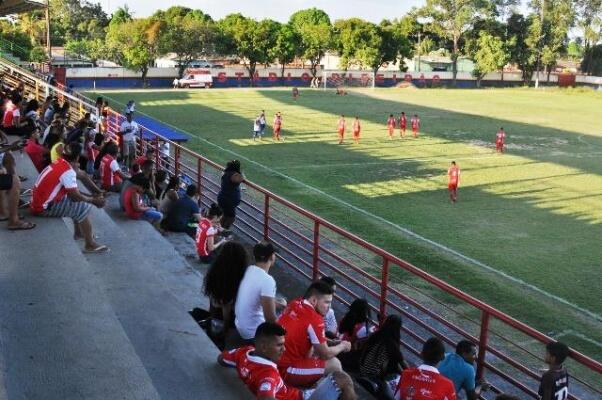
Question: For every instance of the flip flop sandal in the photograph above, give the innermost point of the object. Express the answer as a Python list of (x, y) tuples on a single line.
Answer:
[(22, 178), (24, 204), (25, 226), (99, 249)]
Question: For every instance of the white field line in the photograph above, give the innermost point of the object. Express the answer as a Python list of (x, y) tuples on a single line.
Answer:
[(408, 232)]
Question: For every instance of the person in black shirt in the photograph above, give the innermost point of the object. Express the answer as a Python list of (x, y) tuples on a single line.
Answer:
[(185, 213), (555, 381), (228, 197)]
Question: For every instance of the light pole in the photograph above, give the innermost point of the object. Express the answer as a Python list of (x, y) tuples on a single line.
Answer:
[(48, 45)]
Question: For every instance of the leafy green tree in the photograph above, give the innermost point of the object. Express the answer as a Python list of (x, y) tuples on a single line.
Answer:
[(76, 19), (20, 43), (519, 44), (94, 49), (248, 39), (121, 15), (315, 31), (286, 47), (593, 57), (490, 55), (38, 54), (451, 19)]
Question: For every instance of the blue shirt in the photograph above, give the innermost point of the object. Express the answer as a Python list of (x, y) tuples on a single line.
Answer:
[(461, 373), (182, 212)]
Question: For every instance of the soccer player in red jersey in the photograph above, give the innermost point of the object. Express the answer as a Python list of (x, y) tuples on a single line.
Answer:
[(391, 125), (415, 121), (256, 367), (308, 357), (500, 139), (403, 124), (425, 382), (356, 130), (277, 126), (341, 129), (453, 179)]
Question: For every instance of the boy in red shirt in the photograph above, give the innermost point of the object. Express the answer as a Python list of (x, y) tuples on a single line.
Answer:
[(257, 368), (500, 138), (453, 179), (307, 357), (110, 172), (403, 123), (356, 130), (391, 125), (425, 382), (415, 125), (341, 129)]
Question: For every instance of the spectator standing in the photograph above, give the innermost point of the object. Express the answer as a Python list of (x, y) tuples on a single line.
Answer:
[(55, 194), (130, 107), (229, 196), (425, 382), (256, 298), (459, 368), (262, 123), (222, 281), (554, 383), (257, 367), (303, 320), (133, 204), (129, 130), (206, 245), (185, 213), (256, 129)]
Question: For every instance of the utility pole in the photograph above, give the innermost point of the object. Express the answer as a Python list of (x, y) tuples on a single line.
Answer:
[(539, 42), (48, 45), (419, 48)]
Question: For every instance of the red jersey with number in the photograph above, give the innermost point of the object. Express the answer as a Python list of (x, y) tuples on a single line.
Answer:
[(403, 121), (453, 175), (259, 374), (304, 328), (203, 232), (500, 137), (415, 123), (424, 383), (52, 185), (109, 172)]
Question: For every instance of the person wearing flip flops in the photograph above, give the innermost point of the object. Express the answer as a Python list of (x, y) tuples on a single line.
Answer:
[(10, 188), (56, 195)]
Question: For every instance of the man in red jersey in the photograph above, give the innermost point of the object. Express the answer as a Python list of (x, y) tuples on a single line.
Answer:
[(415, 121), (453, 179), (500, 139), (403, 124), (391, 125), (110, 172), (425, 382), (277, 126), (356, 130), (257, 368), (307, 356), (341, 129)]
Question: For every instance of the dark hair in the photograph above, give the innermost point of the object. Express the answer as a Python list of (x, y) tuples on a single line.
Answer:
[(72, 151), (112, 149), (453, 162), (16, 98), (233, 166), (52, 139), (359, 312), (149, 150), (214, 210), (140, 180), (262, 251), (390, 330), (269, 329), (558, 350), (99, 100), (160, 175), (433, 351), (226, 272), (147, 164), (318, 288), (464, 346), (32, 105), (192, 190), (328, 280), (174, 182)]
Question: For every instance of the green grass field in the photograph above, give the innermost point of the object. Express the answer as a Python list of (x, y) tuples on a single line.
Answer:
[(533, 214)]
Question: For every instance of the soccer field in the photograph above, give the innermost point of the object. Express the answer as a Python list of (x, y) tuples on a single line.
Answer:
[(525, 233)]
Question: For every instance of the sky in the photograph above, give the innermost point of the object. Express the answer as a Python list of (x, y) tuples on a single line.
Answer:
[(279, 10)]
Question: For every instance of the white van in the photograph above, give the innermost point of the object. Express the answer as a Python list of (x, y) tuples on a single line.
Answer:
[(194, 77)]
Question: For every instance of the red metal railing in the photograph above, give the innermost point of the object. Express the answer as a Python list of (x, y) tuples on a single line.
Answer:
[(313, 246)]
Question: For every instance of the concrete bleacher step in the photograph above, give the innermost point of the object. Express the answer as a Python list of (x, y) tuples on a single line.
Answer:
[(151, 289)]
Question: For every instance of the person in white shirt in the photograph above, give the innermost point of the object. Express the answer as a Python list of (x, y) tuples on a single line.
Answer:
[(330, 321), (256, 298), (256, 129), (176, 83), (130, 106), (129, 131)]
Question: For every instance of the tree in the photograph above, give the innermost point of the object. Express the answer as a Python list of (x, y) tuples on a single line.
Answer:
[(76, 19), (121, 15), (450, 19), (590, 22), (286, 47), (315, 31), (521, 53), (187, 33), (94, 49), (249, 39), (491, 55), (594, 60)]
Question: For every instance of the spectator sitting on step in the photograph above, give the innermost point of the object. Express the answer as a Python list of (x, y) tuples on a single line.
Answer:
[(330, 320), (149, 154), (257, 367), (160, 182), (185, 213), (11, 121), (31, 116), (55, 194), (222, 281), (206, 245), (459, 368), (38, 153), (256, 298), (382, 360), (307, 357), (52, 110), (169, 196), (425, 382), (356, 325), (64, 112), (111, 175), (133, 204), (56, 128), (10, 187)]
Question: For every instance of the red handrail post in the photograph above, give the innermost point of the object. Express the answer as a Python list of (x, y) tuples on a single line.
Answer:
[(199, 175), (384, 285), (483, 339), (315, 263), (156, 144), (177, 161), (266, 217)]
